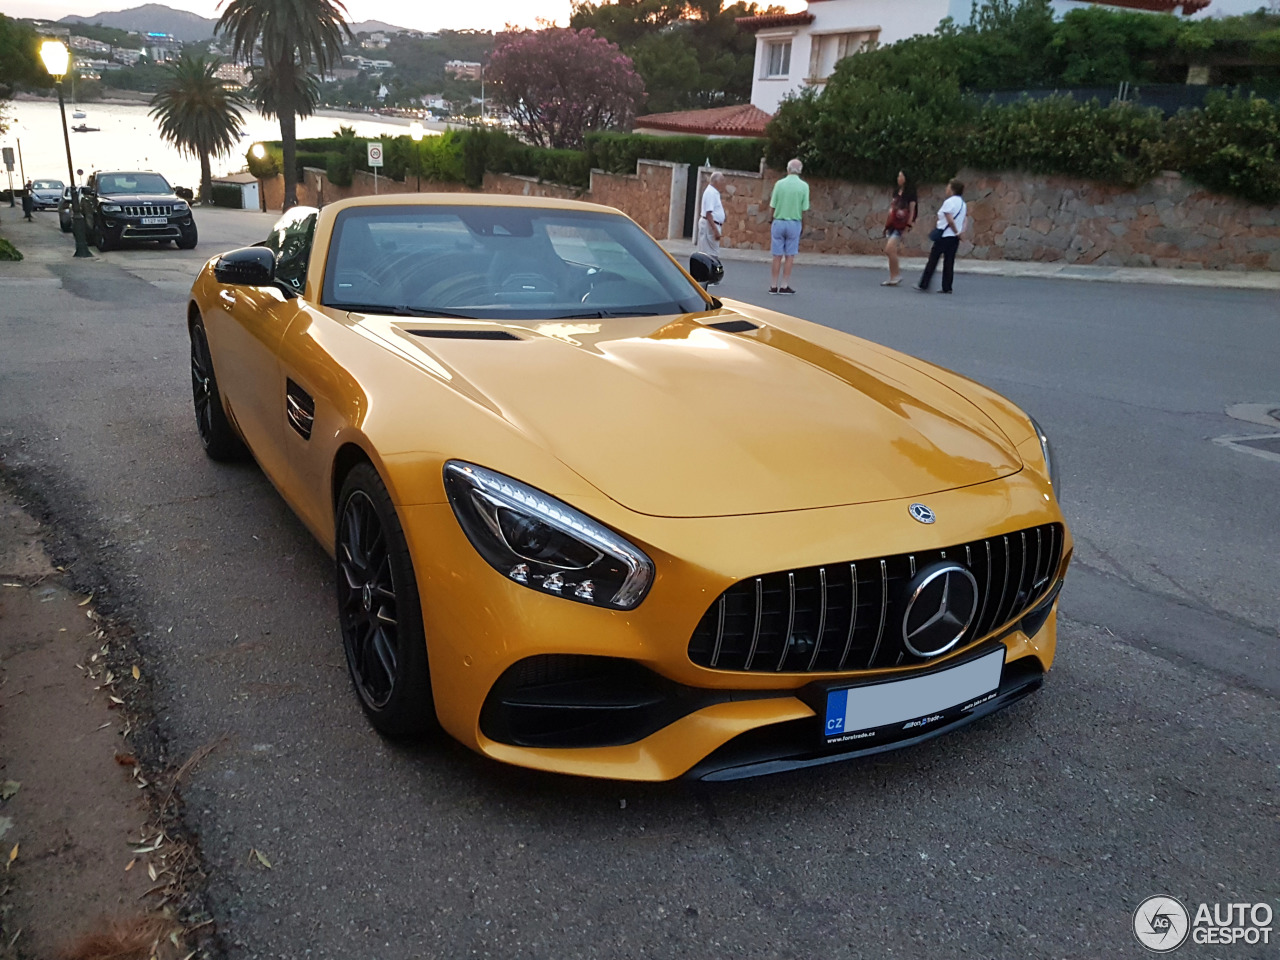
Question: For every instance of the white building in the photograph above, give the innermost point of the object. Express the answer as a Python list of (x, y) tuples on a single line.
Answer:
[(795, 50)]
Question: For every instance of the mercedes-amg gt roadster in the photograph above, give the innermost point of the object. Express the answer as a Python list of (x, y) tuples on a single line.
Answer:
[(588, 518)]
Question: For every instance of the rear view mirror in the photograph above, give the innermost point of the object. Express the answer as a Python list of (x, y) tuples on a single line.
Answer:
[(248, 266), (706, 269)]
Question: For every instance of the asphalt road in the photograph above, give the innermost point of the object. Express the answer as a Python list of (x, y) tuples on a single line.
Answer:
[(1148, 764)]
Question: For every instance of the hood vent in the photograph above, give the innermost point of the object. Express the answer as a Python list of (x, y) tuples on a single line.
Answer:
[(735, 326), (464, 334)]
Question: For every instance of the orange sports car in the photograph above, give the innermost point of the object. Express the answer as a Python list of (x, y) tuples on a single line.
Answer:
[(588, 518)]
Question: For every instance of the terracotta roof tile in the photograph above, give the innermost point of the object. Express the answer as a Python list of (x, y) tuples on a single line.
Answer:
[(741, 121), (765, 20)]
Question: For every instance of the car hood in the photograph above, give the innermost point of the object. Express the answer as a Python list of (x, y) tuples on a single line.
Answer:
[(675, 418), (138, 198)]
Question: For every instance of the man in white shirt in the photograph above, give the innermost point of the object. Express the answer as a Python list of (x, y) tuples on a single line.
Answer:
[(951, 222), (711, 220)]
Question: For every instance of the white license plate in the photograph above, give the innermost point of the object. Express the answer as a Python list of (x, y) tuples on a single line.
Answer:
[(154, 221), (916, 701)]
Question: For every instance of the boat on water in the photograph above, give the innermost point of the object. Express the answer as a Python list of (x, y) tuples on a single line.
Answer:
[(85, 128), (79, 115)]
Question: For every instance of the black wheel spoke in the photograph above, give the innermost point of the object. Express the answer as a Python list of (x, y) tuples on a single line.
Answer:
[(367, 600)]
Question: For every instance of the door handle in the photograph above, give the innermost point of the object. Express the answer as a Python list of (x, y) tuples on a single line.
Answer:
[(228, 298)]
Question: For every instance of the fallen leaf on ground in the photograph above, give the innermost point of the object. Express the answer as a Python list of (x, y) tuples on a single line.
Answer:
[(6, 824), (85, 601), (129, 866), (151, 870), (126, 759), (255, 852), (137, 674), (9, 788), (13, 855)]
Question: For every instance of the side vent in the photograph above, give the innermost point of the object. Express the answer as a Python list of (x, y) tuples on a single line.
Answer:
[(464, 334), (735, 326), (300, 408)]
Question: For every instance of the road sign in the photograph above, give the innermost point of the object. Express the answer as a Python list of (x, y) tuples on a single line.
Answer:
[(8, 158), (375, 154)]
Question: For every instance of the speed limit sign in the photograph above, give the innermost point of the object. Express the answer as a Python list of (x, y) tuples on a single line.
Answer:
[(375, 154)]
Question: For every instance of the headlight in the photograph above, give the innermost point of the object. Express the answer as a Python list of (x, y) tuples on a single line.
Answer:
[(111, 208), (1050, 460), (180, 207), (545, 544)]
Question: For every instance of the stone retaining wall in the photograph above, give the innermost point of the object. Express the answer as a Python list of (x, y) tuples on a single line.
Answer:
[(1167, 223)]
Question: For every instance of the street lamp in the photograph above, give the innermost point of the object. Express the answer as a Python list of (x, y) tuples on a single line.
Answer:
[(57, 59), (415, 131)]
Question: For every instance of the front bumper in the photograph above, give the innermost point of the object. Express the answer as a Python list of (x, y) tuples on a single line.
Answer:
[(711, 723), (122, 229)]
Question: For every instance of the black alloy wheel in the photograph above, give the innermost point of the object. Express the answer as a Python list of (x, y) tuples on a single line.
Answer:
[(219, 438), (188, 240), (101, 239), (379, 610)]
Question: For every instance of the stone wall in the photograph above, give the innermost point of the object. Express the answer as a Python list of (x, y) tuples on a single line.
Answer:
[(649, 196), (1167, 223)]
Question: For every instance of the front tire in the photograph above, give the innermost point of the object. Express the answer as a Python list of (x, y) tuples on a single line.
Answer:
[(379, 609), (188, 241), (65, 225), (101, 239), (219, 438)]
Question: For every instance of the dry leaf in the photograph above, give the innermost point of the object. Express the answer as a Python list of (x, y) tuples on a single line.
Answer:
[(127, 760), (257, 853), (85, 601), (151, 870), (129, 866), (137, 674), (9, 788), (13, 855)]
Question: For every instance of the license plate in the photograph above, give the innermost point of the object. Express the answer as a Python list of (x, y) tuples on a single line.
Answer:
[(899, 707), (154, 221)]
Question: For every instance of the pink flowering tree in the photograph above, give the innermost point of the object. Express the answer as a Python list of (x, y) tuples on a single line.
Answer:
[(559, 84)]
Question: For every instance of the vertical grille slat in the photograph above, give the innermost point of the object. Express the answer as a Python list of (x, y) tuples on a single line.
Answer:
[(780, 621)]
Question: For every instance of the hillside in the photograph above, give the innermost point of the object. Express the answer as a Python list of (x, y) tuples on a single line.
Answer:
[(153, 17), (375, 26)]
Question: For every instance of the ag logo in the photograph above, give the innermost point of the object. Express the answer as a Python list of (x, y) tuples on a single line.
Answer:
[(1161, 924)]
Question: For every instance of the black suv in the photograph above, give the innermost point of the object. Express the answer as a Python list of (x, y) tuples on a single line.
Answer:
[(136, 205)]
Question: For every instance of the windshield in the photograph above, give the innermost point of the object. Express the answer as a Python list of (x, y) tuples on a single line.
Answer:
[(47, 185), (501, 263), (113, 183)]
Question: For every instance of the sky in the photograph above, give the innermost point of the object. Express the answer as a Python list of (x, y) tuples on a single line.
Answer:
[(478, 14)]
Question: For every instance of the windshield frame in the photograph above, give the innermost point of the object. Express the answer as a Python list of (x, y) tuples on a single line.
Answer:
[(679, 293)]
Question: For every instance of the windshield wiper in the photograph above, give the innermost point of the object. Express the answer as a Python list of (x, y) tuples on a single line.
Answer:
[(399, 311), (603, 315)]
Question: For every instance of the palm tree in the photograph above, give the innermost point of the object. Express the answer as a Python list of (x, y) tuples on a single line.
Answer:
[(198, 113), (298, 38)]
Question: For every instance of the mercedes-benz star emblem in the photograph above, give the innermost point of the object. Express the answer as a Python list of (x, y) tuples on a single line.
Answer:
[(942, 602), (922, 513)]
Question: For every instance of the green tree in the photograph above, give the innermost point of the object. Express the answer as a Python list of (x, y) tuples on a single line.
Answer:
[(19, 61), (298, 38), (198, 113)]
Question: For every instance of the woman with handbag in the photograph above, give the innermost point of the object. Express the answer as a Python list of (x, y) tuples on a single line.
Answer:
[(903, 209), (946, 237)]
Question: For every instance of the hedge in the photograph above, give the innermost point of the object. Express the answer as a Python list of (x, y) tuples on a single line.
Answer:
[(227, 195), (8, 251), (618, 152)]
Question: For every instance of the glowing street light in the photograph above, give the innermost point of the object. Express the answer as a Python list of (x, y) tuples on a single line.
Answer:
[(258, 151), (57, 60)]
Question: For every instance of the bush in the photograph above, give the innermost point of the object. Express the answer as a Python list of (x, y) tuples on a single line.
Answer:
[(227, 195), (338, 169), (8, 251), (1119, 143), (618, 152), (269, 165), (310, 158), (1230, 146)]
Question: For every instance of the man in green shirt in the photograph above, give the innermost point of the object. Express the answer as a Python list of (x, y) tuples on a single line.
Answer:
[(789, 201)]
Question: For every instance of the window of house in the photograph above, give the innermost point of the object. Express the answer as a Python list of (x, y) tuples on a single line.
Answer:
[(828, 49), (777, 61)]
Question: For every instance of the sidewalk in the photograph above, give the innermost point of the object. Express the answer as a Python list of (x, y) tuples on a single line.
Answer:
[(1190, 277)]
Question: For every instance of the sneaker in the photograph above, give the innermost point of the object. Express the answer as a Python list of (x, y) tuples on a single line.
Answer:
[(773, 291), (944, 291), (786, 290), (890, 283), (920, 289)]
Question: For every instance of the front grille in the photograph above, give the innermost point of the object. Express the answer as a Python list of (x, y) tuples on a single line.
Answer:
[(148, 210), (848, 616)]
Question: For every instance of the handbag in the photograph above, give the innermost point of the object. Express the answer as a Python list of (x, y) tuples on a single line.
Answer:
[(935, 234)]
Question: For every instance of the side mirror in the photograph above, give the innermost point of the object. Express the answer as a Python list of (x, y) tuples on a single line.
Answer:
[(248, 266), (706, 269)]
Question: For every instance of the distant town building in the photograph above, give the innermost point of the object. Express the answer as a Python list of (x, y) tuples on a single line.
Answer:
[(233, 73), (86, 45), (464, 69), (127, 56), (375, 41), (161, 47)]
